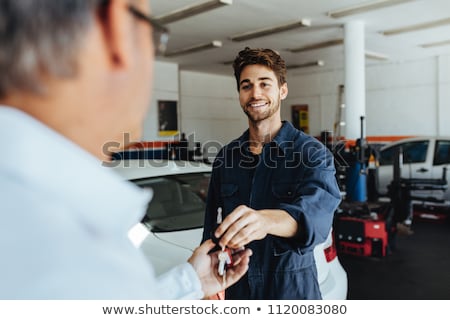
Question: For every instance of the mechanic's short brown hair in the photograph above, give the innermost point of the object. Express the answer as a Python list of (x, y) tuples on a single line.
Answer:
[(266, 57)]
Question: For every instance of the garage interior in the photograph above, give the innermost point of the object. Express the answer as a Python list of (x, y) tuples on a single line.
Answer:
[(408, 80), (359, 71)]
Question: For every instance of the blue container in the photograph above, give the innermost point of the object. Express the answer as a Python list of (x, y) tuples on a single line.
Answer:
[(356, 186)]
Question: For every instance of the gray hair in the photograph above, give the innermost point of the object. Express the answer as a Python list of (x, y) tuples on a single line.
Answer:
[(40, 37)]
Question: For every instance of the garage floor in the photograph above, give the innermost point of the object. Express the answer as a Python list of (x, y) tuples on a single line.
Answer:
[(418, 269)]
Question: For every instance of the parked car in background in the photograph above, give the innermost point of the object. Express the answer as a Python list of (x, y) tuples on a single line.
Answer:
[(423, 158), (173, 224)]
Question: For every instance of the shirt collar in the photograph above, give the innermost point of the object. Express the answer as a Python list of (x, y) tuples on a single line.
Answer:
[(282, 141)]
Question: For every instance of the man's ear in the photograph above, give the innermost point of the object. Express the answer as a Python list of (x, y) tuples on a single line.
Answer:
[(283, 91), (114, 19)]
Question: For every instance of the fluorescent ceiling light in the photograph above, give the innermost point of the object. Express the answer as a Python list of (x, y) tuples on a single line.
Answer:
[(373, 5), (376, 56), (318, 63), (319, 45), (200, 47), (422, 26), (192, 10), (436, 44), (264, 32)]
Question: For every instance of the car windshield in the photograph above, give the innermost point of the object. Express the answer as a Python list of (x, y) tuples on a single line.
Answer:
[(178, 201)]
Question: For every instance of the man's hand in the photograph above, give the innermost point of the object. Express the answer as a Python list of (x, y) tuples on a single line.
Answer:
[(245, 225), (206, 266)]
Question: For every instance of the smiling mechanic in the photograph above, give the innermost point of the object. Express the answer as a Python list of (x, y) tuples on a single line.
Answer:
[(276, 187)]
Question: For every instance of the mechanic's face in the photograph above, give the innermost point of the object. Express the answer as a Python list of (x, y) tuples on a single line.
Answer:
[(259, 93)]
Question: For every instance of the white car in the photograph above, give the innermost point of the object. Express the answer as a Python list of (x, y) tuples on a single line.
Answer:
[(423, 158), (173, 225)]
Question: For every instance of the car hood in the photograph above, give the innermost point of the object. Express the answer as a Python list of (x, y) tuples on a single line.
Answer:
[(187, 239), (165, 249)]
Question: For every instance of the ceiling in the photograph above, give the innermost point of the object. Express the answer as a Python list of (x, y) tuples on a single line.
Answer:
[(252, 15)]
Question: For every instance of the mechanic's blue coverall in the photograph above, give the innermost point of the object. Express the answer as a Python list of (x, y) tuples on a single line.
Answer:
[(295, 172)]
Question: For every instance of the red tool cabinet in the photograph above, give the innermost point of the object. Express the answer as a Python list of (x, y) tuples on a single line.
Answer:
[(361, 236)]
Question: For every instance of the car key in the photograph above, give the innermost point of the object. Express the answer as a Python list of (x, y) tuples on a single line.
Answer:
[(222, 257), (225, 255), (218, 221)]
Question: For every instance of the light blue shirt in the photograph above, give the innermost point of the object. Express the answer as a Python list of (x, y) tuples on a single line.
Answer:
[(64, 221)]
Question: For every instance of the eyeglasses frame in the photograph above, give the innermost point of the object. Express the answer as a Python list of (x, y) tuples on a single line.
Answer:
[(160, 32)]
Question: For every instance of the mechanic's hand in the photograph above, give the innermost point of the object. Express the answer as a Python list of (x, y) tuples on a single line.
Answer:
[(242, 226), (206, 266)]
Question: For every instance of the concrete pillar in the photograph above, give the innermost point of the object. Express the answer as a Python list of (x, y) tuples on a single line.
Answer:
[(355, 78)]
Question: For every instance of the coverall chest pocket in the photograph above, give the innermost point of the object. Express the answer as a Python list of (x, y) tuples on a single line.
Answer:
[(285, 192), (230, 197)]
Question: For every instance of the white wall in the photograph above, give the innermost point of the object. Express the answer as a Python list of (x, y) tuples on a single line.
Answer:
[(401, 98), (409, 98), (209, 108), (165, 87), (319, 91), (443, 112)]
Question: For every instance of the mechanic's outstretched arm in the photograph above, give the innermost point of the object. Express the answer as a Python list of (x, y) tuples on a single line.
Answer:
[(245, 225)]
